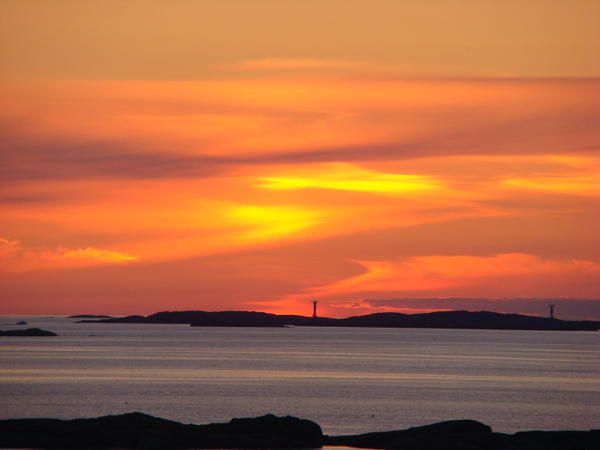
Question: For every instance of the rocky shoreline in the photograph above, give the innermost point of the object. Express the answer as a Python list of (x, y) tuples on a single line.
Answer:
[(142, 431)]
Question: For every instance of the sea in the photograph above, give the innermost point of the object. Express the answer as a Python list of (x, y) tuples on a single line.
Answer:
[(349, 380)]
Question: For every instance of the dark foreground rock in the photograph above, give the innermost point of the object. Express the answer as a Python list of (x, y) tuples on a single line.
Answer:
[(141, 431), (469, 435), (455, 434), (28, 332)]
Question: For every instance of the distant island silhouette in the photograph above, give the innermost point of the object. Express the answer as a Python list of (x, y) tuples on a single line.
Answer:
[(142, 431), (482, 320), (28, 332), (90, 316)]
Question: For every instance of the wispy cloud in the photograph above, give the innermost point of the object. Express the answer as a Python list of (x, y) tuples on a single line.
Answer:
[(346, 177), (15, 258), (462, 273)]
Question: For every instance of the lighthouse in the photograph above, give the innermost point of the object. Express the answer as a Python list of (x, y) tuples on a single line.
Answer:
[(315, 309), (551, 307)]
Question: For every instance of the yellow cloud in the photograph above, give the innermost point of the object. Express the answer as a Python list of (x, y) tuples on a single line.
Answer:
[(346, 177), (95, 254), (267, 222), (580, 185), (570, 174)]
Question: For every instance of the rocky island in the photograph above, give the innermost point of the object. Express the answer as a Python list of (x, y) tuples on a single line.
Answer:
[(443, 319), (89, 316), (28, 332), (142, 431)]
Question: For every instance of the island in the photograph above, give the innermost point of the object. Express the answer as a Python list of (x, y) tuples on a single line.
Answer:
[(28, 332), (89, 316), (141, 431), (485, 320)]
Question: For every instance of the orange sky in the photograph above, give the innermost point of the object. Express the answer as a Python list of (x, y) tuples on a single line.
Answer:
[(256, 155)]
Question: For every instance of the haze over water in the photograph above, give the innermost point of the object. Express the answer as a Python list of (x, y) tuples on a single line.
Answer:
[(349, 380)]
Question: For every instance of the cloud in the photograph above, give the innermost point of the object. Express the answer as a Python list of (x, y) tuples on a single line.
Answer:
[(376, 170), (568, 185), (263, 223), (64, 159), (155, 129), (509, 274), (95, 254), (346, 177), (15, 258)]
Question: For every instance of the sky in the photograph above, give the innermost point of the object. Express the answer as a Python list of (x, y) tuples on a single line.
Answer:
[(250, 154)]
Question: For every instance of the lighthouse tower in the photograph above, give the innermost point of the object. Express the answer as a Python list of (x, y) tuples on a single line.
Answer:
[(315, 309)]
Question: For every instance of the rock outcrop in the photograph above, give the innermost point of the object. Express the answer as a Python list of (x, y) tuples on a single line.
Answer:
[(454, 434), (141, 431), (469, 435), (28, 332)]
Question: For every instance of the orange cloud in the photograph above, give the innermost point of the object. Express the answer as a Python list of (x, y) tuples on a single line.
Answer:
[(101, 172), (571, 174), (95, 254), (452, 273), (15, 258), (568, 185), (332, 118)]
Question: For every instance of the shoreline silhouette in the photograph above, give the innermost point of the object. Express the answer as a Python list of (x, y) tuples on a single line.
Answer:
[(443, 319), (142, 431)]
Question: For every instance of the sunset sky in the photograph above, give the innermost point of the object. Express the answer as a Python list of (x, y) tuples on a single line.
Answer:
[(254, 154)]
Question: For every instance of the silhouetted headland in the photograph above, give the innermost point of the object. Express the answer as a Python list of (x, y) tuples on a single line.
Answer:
[(443, 319), (28, 332), (141, 431)]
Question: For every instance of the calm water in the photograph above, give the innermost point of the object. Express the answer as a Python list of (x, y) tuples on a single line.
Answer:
[(348, 380)]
